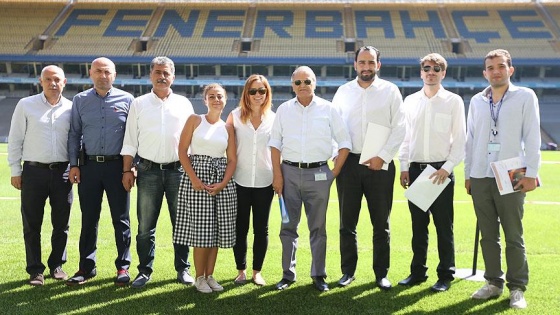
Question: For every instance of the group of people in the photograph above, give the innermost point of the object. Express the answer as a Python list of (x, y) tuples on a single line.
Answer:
[(216, 174)]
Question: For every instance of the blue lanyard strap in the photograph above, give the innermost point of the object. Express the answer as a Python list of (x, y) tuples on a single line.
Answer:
[(495, 114)]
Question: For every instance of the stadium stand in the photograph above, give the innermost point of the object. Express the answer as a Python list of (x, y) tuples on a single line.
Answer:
[(226, 41)]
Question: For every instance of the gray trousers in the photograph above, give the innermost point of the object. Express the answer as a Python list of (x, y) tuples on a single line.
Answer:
[(300, 187), (493, 210)]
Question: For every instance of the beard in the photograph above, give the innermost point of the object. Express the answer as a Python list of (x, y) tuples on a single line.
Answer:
[(367, 76)]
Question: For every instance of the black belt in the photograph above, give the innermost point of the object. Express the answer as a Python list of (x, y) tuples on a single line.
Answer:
[(422, 166), (50, 166), (162, 166), (104, 158), (305, 165)]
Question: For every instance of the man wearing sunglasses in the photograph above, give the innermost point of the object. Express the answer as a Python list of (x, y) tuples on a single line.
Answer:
[(435, 135), (361, 101), (302, 135)]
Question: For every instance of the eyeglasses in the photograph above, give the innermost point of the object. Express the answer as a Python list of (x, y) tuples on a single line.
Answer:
[(428, 68), (262, 91), (299, 82)]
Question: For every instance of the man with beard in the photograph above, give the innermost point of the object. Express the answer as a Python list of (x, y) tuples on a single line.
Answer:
[(503, 122), (361, 101), (97, 129), (153, 128), (435, 136)]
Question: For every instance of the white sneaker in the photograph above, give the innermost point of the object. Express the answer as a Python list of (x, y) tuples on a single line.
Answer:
[(487, 291), (202, 286), (516, 299), (213, 284)]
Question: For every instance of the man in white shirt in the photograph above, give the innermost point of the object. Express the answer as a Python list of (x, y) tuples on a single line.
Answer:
[(153, 128), (38, 137), (368, 99), (503, 122), (435, 135), (302, 135)]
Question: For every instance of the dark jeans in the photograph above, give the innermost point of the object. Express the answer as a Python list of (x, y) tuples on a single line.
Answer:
[(97, 178), (353, 182), (38, 184), (442, 213), (152, 184), (258, 199)]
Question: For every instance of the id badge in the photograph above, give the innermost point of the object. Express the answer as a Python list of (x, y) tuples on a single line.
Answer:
[(320, 176), (493, 147)]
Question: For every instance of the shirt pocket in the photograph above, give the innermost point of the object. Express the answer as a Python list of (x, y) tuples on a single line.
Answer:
[(442, 123)]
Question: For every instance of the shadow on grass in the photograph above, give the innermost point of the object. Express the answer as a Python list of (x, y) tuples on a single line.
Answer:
[(101, 296)]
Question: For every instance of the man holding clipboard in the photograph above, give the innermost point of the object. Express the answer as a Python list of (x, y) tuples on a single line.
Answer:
[(435, 136), (368, 99)]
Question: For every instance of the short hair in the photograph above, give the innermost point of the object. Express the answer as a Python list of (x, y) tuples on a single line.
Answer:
[(57, 69), (434, 57), (212, 86), (245, 101), (370, 48), (498, 53), (162, 60), (305, 69)]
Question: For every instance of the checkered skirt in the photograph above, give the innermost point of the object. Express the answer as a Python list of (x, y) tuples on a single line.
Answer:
[(204, 220)]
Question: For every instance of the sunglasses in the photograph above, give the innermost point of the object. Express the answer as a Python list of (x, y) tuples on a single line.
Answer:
[(299, 82), (428, 68), (262, 91)]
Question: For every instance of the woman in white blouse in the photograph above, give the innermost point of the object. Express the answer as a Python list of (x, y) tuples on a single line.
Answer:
[(252, 121)]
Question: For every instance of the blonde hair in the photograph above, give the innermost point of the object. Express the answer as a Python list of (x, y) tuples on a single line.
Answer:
[(245, 101)]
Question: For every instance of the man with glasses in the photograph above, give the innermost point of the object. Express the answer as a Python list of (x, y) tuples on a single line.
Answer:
[(435, 136), (302, 134), (368, 99), (153, 128)]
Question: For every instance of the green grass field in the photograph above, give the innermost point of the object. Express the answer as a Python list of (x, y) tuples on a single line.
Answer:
[(164, 296)]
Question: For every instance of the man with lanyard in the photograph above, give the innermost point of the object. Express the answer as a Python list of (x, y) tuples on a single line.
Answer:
[(38, 137), (435, 136), (302, 135), (508, 128), (153, 128), (97, 129)]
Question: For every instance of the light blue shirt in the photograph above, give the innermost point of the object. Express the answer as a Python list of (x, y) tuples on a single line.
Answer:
[(99, 122), (39, 132), (518, 127)]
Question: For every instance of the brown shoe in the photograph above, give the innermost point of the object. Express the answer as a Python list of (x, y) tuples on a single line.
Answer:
[(37, 279), (59, 274)]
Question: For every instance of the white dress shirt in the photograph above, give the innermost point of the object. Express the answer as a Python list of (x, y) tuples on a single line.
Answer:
[(154, 126), (380, 103), (39, 132), (305, 133), (435, 129), (254, 164), (519, 133)]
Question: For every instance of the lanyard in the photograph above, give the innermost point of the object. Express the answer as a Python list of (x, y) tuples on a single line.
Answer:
[(495, 114)]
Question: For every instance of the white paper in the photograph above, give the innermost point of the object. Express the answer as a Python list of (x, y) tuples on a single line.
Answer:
[(375, 140), (507, 172), (423, 192)]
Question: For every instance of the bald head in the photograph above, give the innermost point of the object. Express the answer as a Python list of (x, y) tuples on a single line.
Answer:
[(103, 74)]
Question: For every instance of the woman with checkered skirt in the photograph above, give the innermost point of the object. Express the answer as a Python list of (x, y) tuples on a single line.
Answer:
[(207, 205)]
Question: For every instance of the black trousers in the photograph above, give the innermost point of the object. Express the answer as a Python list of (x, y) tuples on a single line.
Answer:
[(38, 184), (259, 200), (97, 178), (442, 213), (353, 182)]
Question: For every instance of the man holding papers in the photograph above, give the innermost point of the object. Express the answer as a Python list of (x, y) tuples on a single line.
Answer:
[(435, 141), (503, 123), (364, 103)]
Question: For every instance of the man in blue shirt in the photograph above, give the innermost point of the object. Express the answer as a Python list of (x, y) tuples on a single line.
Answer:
[(97, 130)]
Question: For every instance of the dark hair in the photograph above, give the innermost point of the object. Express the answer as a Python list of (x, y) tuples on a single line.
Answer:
[(498, 53), (371, 48)]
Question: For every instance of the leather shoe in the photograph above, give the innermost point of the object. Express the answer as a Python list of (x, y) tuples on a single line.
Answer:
[(81, 277), (37, 279), (441, 286), (320, 284), (284, 284), (58, 274), (345, 280), (383, 284), (412, 280)]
